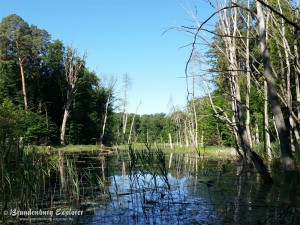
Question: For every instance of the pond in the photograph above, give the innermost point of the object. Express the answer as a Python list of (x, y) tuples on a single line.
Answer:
[(142, 187)]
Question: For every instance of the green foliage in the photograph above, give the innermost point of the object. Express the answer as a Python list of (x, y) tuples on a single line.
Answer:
[(154, 128), (11, 127), (15, 123), (46, 86), (213, 130), (82, 128), (39, 129)]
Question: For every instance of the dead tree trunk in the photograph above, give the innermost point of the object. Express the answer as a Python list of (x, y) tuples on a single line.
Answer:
[(110, 88), (283, 135), (297, 74), (63, 126), (194, 120), (248, 79), (105, 118), (126, 85), (132, 123), (72, 66), (231, 30), (297, 64), (266, 131)]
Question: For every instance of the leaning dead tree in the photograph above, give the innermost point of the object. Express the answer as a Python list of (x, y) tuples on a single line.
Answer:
[(72, 65)]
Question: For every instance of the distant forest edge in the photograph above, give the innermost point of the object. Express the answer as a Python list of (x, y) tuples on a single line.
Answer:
[(251, 88)]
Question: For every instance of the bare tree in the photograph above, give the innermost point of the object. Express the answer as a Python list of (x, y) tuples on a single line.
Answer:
[(177, 116), (132, 122), (194, 119), (229, 33), (248, 77), (126, 86), (267, 141), (72, 65), (297, 62), (109, 84)]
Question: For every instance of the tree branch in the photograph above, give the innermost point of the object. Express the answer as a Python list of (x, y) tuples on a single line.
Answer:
[(279, 14)]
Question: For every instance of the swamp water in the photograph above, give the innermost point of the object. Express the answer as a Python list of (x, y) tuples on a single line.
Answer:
[(142, 188)]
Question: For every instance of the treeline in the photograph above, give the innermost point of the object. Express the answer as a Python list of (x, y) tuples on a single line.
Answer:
[(49, 97)]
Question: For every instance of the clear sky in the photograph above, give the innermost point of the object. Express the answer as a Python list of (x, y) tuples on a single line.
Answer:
[(123, 36)]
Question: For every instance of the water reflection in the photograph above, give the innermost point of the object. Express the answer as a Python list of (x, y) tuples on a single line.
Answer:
[(147, 188), (147, 199)]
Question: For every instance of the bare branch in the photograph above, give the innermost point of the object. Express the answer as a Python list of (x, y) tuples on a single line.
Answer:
[(280, 14)]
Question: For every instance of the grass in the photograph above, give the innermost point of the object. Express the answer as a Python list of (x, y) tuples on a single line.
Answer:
[(78, 148), (67, 148), (208, 151)]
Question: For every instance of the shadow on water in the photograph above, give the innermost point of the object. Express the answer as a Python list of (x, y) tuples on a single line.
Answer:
[(142, 187)]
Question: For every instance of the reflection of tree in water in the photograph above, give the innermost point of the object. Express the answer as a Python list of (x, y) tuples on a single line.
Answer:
[(145, 187), (242, 197), (232, 193)]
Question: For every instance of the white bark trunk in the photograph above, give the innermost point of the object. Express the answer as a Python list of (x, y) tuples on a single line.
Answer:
[(105, 119), (248, 78), (132, 123), (267, 140), (63, 127), (170, 141), (72, 66)]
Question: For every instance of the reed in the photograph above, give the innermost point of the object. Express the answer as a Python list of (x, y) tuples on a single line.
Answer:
[(74, 185)]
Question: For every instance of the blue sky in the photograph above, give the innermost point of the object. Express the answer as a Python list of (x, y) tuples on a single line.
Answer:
[(123, 36)]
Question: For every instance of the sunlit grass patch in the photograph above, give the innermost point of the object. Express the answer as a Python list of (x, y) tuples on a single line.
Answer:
[(207, 151), (67, 148), (75, 148)]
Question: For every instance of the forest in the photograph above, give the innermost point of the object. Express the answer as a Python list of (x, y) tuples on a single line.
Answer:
[(53, 99), (68, 143), (249, 77)]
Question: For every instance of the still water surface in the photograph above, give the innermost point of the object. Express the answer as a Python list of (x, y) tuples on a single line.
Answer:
[(143, 188)]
